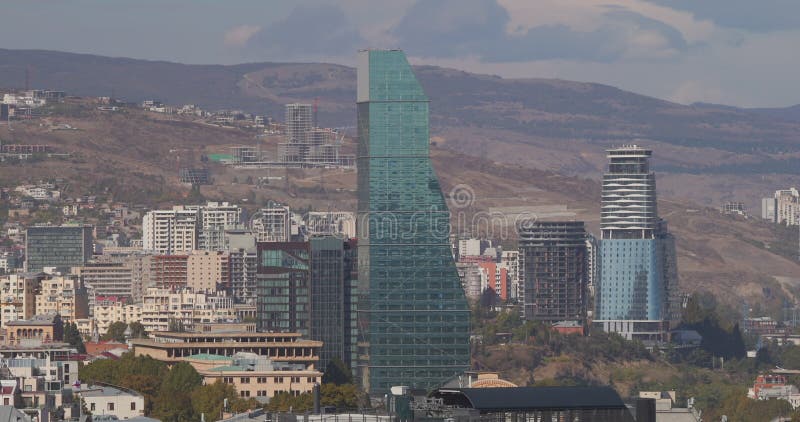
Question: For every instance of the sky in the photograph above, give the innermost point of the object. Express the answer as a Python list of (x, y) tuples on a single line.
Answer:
[(735, 52)]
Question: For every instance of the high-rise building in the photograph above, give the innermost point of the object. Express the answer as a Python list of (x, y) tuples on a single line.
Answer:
[(509, 260), (768, 206), (169, 232), (107, 278), (332, 223), (57, 246), (243, 259), (273, 224), (63, 295), (185, 228), (413, 316), (206, 271), (787, 206), (332, 266), (553, 265), (637, 292), (284, 287)]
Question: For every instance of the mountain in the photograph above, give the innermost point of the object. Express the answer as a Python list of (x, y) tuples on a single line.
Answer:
[(708, 154)]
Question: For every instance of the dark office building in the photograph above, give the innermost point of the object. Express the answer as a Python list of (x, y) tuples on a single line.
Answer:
[(413, 316), (332, 266), (553, 266), (57, 246), (283, 286)]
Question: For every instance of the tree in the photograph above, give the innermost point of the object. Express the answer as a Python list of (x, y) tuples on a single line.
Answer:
[(116, 332), (73, 337), (139, 373), (174, 402), (209, 399), (137, 330), (337, 373)]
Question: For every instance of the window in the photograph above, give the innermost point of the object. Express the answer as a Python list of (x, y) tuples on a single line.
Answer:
[(244, 393), (133, 405), (111, 406), (91, 407), (244, 380), (227, 380)]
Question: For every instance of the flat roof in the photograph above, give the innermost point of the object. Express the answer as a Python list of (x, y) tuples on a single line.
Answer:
[(174, 334), (532, 398), (208, 356), (106, 391)]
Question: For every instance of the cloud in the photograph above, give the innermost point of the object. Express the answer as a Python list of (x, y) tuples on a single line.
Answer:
[(239, 35), (752, 15), (308, 31), (482, 28)]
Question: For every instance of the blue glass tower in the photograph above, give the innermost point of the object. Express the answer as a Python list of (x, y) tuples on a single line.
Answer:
[(413, 317), (638, 270)]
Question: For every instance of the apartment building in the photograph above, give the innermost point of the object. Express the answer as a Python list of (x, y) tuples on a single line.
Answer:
[(18, 296), (205, 270), (63, 295), (106, 279), (168, 232), (161, 307)]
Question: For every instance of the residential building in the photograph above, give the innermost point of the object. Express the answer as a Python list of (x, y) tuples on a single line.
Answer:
[(333, 267), (496, 278), (332, 223), (106, 279), (553, 263), (185, 308), (106, 400), (284, 287), (413, 315), (57, 246), (63, 295), (470, 247), (638, 289), (18, 296), (787, 206), (214, 219), (768, 208), (243, 266), (272, 224), (470, 275), (170, 232), (106, 312), (509, 260), (207, 271), (8, 263), (166, 271)]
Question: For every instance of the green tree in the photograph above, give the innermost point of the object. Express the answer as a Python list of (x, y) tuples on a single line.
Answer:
[(337, 373), (116, 332), (174, 402), (73, 337), (137, 330), (139, 373), (209, 399)]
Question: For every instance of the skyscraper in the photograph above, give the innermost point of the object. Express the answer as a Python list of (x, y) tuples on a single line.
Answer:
[(553, 263), (283, 286), (638, 270), (413, 316)]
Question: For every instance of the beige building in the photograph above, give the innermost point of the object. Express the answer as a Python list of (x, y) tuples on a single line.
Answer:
[(160, 306), (63, 295), (18, 296), (109, 312), (206, 269), (256, 376), (106, 279), (787, 206)]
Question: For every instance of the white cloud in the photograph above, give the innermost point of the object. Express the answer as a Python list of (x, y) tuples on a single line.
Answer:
[(239, 35)]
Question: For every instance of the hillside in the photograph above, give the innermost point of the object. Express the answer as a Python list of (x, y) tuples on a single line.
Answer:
[(707, 154), (133, 156)]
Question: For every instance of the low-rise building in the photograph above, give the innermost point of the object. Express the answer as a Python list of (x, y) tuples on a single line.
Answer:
[(39, 329), (18, 296), (107, 400), (185, 307)]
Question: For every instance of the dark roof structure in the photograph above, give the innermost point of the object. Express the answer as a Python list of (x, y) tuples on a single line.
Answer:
[(522, 399)]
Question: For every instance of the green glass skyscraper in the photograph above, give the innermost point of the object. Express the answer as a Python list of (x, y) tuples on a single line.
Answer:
[(413, 317)]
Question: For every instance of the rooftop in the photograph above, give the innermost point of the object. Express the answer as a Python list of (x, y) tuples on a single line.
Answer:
[(106, 391), (532, 398), (209, 356)]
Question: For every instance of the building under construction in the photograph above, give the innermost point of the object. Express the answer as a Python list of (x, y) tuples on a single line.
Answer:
[(310, 146), (553, 267)]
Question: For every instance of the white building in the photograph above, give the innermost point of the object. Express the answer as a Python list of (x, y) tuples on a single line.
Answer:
[(214, 219), (469, 247), (333, 223), (510, 261), (170, 232), (105, 400), (272, 224), (160, 306), (787, 206)]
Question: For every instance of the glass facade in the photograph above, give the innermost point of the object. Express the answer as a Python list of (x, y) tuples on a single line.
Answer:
[(332, 264), (283, 287), (413, 316), (57, 246)]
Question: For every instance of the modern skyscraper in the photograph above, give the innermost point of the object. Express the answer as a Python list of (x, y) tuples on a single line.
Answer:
[(413, 316), (332, 264), (57, 246), (638, 270), (553, 263)]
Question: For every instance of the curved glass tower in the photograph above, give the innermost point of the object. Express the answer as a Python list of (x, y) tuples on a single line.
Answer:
[(413, 318)]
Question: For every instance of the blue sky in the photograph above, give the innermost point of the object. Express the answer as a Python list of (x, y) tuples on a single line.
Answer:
[(738, 52)]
